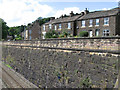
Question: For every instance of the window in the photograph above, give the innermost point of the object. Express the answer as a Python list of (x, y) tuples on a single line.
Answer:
[(30, 37), (106, 32), (50, 26), (83, 23), (43, 27), (69, 25), (44, 33), (55, 27), (91, 22), (106, 21), (77, 27), (30, 31), (97, 32), (39, 32), (59, 26), (97, 22)]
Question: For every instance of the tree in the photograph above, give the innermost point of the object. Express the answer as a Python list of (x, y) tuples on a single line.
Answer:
[(4, 28), (12, 32), (42, 20), (17, 30)]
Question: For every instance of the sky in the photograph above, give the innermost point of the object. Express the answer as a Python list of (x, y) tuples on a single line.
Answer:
[(22, 12)]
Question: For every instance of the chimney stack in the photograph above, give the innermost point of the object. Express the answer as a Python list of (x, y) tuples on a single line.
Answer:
[(71, 14), (86, 11), (61, 16), (52, 18), (82, 13), (65, 15)]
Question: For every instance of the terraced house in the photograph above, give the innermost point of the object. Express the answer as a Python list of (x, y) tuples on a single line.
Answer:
[(64, 23), (97, 23), (100, 23)]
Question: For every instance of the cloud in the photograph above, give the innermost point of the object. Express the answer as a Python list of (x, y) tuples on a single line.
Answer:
[(67, 11), (106, 9), (18, 12)]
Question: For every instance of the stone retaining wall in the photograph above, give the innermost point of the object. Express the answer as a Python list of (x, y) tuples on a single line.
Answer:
[(70, 62), (98, 44), (53, 68)]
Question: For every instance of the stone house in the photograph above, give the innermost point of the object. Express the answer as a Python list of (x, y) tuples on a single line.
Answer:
[(97, 23), (100, 23), (64, 23), (32, 32)]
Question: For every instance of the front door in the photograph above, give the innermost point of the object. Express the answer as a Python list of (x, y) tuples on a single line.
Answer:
[(90, 33), (43, 34)]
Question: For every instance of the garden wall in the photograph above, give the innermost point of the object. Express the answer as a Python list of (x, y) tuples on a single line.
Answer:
[(96, 44)]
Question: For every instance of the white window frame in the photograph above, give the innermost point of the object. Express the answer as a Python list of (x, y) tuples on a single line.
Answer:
[(55, 27), (50, 26), (60, 26), (97, 22), (105, 32), (44, 27), (91, 23), (98, 30), (106, 21), (69, 25), (83, 23), (90, 33), (43, 35)]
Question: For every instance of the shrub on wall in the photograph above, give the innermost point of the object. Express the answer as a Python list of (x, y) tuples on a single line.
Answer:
[(64, 34), (51, 34), (83, 34)]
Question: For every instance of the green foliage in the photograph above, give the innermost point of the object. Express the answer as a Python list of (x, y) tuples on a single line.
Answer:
[(4, 27), (9, 66), (61, 35), (43, 20), (16, 31), (64, 34), (51, 34), (83, 34), (18, 38), (86, 83), (75, 36), (70, 35)]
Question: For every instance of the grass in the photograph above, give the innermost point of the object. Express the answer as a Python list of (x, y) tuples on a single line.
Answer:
[(7, 65)]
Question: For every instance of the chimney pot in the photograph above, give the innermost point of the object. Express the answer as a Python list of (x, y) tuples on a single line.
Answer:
[(86, 11)]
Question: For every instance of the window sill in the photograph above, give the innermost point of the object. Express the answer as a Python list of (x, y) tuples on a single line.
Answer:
[(68, 28), (96, 25), (106, 25), (83, 27), (90, 26)]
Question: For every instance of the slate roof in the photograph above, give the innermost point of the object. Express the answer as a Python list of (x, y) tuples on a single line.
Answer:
[(97, 14), (64, 19), (90, 15)]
